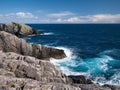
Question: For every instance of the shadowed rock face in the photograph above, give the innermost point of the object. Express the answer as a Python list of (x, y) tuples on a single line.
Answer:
[(80, 79), (11, 43), (18, 29)]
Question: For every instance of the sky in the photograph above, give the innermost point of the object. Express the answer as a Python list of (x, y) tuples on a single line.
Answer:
[(60, 11)]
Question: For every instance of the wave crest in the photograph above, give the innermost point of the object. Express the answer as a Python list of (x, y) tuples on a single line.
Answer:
[(99, 69), (48, 33)]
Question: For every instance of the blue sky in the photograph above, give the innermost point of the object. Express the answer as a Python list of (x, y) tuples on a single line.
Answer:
[(60, 11)]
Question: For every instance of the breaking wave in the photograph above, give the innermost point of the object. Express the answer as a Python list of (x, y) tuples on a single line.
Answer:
[(48, 33), (104, 69)]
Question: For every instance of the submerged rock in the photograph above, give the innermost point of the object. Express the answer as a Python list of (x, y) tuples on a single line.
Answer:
[(18, 29), (11, 43)]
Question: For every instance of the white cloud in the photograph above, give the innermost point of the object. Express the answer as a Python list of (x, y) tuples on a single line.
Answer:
[(62, 17), (60, 14), (25, 15), (98, 18), (106, 18), (19, 17)]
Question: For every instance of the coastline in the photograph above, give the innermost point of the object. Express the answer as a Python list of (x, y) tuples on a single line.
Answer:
[(27, 70)]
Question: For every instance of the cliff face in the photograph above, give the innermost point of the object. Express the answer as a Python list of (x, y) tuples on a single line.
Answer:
[(11, 43), (18, 29)]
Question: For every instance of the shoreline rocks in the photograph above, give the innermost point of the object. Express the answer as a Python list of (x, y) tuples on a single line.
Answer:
[(19, 29), (29, 73), (11, 43), (26, 66), (18, 72)]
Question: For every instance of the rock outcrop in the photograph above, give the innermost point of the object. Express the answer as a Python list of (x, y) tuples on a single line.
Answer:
[(18, 29), (19, 72), (11, 43), (22, 68)]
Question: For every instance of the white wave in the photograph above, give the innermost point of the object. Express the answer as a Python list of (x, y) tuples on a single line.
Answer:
[(67, 60), (114, 80), (103, 62), (99, 63), (29, 38), (68, 72), (48, 33)]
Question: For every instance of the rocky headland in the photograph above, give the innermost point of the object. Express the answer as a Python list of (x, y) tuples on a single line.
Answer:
[(19, 29), (25, 66)]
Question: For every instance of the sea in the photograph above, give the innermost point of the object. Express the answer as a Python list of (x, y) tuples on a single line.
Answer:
[(92, 50)]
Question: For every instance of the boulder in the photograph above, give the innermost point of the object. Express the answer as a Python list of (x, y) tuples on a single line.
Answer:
[(19, 29), (11, 43)]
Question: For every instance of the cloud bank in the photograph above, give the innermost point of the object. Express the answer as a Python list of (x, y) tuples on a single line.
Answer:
[(60, 17), (18, 16), (97, 18)]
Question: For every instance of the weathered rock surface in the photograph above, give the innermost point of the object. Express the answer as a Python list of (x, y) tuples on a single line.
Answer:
[(93, 87), (19, 72), (16, 65), (11, 43), (18, 29)]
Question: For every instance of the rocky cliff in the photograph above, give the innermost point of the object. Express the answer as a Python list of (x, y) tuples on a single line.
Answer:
[(11, 43), (18, 29), (22, 68)]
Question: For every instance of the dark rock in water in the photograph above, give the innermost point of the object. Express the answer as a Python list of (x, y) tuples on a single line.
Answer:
[(11, 43), (19, 29), (80, 79)]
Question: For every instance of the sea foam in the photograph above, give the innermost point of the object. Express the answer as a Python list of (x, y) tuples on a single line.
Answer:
[(48, 33), (95, 68)]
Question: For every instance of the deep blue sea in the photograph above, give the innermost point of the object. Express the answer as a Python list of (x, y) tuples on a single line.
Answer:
[(92, 50)]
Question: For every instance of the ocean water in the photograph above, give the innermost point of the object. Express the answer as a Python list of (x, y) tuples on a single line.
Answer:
[(92, 50)]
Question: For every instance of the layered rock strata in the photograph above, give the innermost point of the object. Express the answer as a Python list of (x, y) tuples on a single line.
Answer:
[(11, 43)]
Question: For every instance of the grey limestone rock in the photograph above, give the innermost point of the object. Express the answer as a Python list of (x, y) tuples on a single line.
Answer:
[(19, 29), (11, 43), (18, 72)]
